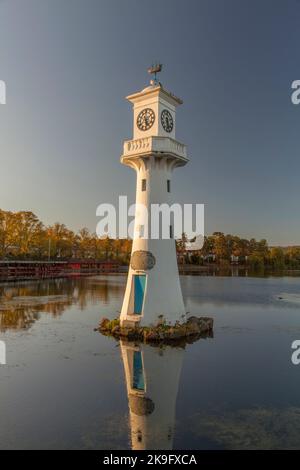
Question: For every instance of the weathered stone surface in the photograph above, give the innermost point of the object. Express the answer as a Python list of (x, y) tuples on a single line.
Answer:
[(116, 330), (202, 323), (104, 323), (141, 406), (142, 260), (193, 320)]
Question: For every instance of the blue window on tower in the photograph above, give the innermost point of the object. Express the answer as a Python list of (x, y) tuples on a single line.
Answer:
[(139, 292), (169, 186), (144, 183), (138, 382)]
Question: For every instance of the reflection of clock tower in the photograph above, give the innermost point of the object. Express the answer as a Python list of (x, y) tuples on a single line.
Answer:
[(153, 291)]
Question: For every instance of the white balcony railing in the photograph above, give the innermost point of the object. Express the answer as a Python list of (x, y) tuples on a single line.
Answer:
[(154, 144)]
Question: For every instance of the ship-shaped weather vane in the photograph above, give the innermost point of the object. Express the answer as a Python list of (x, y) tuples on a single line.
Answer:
[(154, 70)]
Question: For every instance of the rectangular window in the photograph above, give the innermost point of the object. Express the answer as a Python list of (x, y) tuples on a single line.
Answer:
[(169, 186), (171, 231), (143, 185), (138, 382), (139, 291)]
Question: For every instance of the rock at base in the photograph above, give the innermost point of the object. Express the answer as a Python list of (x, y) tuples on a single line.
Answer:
[(194, 327)]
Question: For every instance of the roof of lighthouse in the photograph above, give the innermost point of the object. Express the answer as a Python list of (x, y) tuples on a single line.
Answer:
[(155, 88)]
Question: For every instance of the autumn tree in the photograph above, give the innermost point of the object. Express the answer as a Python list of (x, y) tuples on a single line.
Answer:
[(277, 257), (8, 225), (23, 235)]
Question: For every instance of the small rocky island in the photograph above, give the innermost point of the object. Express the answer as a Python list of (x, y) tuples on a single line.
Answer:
[(189, 331)]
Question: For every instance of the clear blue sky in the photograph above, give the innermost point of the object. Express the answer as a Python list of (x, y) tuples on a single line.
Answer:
[(68, 65)]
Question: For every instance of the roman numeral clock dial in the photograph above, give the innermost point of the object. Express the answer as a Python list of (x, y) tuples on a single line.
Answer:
[(145, 119), (167, 120)]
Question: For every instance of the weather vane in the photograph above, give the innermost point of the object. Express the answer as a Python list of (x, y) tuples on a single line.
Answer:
[(154, 70)]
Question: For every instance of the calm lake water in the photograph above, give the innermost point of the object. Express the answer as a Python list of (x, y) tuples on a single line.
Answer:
[(65, 386)]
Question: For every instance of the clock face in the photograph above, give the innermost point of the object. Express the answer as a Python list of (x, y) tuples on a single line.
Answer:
[(145, 119), (167, 120)]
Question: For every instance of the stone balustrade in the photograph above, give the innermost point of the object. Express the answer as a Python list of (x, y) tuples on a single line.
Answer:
[(154, 144)]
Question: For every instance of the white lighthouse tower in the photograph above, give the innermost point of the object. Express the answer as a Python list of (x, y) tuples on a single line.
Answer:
[(153, 291)]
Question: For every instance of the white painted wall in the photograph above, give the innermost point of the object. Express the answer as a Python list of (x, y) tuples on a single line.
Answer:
[(157, 105), (163, 291)]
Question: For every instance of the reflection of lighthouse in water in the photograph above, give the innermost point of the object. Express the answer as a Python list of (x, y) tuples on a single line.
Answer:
[(152, 379)]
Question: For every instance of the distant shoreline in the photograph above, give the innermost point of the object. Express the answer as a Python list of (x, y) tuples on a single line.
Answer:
[(235, 270), (21, 271)]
